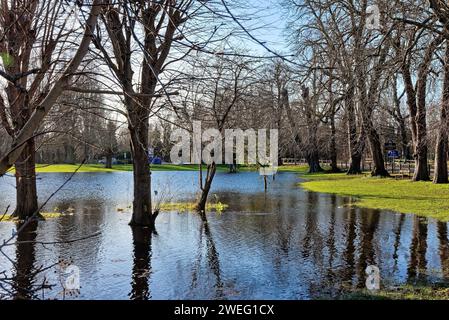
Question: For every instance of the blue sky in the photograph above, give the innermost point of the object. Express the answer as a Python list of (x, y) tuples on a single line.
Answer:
[(269, 20)]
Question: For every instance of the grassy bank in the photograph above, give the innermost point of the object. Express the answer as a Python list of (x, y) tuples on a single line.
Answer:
[(70, 168), (421, 198), (405, 292)]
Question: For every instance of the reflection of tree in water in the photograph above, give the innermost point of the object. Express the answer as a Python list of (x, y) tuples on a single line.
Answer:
[(369, 224), (443, 248), (397, 240), (418, 248), (330, 241), (349, 252), (23, 285), (212, 260), (140, 289), (312, 237)]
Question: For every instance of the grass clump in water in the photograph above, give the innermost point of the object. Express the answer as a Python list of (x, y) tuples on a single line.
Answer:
[(218, 207), (45, 215)]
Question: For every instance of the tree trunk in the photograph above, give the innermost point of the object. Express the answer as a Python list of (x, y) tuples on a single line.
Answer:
[(69, 153), (355, 167), (421, 165), (440, 176), (201, 204), (333, 145), (376, 151), (313, 161), (356, 142), (26, 195), (442, 140), (404, 141), (312, 152), (142, 210), (108, 164), (28, 130)]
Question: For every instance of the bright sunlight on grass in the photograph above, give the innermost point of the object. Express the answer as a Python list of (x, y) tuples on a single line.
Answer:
[(421, 198)]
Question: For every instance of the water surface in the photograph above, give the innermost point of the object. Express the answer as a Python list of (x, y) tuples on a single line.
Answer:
[(284, 244)]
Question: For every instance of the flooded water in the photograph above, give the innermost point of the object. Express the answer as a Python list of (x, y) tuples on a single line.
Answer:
[(284, 244)]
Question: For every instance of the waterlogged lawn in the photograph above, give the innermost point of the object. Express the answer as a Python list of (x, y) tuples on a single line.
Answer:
[(421, 198)]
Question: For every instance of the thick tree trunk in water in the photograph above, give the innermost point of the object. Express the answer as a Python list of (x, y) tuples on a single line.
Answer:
[(142, 209), (201, 204), (26, 195)]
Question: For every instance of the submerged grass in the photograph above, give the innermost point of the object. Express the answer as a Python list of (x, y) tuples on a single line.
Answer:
[(421, 198)]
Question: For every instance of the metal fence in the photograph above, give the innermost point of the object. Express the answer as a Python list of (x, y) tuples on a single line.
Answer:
[(400, 167)]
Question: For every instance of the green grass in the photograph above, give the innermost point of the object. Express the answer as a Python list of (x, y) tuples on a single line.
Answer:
[(405, 292), (190, 207), (46, 215), (421, 198)]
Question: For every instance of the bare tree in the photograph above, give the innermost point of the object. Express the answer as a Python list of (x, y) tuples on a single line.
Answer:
[(143, 32), (32, 51)]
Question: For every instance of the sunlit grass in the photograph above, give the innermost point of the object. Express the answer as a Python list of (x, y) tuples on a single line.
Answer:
[(46, 215), (421, 198), (190, 207), (217, 207), (405, 292)]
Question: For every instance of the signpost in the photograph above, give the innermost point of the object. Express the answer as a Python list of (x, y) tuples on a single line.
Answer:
[(393, 154)]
